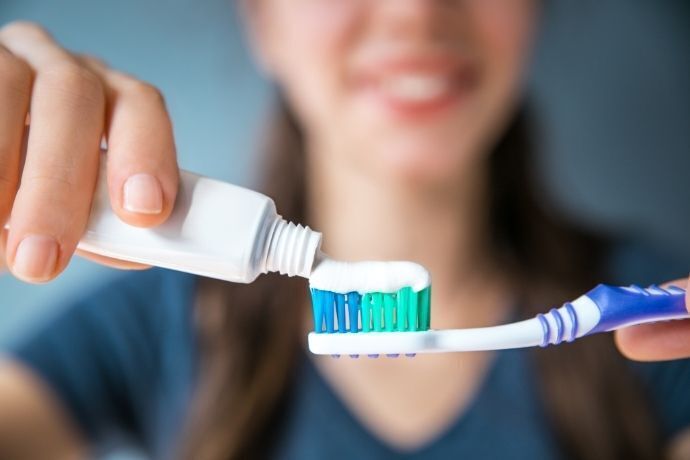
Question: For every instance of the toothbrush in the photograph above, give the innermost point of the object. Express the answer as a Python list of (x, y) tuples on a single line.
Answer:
[(394, 324)]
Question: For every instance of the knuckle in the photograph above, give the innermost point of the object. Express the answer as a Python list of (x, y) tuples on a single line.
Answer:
[(56, 174), (75, 80), (8, 183), (94, 61), (145, 91), (50, 181), (14, 72), (26, 29)]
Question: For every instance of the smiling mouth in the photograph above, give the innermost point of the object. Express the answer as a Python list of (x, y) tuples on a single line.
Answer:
[(417, 87)]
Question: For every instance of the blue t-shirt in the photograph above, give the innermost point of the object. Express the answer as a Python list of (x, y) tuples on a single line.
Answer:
[(124, 360)]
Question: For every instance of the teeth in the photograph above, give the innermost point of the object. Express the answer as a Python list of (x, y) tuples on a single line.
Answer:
[(415, 87)]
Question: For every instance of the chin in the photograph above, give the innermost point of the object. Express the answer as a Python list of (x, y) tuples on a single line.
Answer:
[(422, 167), (423, 160)]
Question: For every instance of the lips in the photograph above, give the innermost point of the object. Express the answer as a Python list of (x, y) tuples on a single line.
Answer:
[(413, 87)]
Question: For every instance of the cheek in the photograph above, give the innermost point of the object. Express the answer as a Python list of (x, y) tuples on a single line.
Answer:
[(314, 23), (503, 35), (310, 41)]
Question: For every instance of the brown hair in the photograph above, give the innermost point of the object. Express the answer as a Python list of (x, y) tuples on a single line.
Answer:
[(249, 346)]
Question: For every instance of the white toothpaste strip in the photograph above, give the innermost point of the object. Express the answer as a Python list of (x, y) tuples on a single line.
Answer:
[(362, 277)]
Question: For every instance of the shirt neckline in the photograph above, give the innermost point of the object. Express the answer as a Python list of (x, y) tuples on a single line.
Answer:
[(351, 423)]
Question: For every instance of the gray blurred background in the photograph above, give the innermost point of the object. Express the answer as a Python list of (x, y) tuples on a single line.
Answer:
[(610, 83)]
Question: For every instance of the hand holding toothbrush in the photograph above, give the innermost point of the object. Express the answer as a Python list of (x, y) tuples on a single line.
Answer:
[(658, 341), (73, 101)]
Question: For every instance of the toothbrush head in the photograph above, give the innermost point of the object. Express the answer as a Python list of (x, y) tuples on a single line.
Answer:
[(356, 303), (403, 311)]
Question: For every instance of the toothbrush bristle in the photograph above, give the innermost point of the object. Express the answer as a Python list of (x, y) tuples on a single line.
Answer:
[(401, 311)]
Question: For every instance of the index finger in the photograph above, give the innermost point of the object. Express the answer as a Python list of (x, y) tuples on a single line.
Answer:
[(67, 110)]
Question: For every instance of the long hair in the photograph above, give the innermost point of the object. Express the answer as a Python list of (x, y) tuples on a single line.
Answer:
[(249, 345)]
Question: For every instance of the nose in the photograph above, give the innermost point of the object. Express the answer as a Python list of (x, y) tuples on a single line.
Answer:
[(412, 18)]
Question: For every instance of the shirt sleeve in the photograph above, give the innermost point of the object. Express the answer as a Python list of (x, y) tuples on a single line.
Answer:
[(106, 357)]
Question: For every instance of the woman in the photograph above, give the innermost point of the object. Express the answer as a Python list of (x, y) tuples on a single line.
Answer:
[(401, 135)]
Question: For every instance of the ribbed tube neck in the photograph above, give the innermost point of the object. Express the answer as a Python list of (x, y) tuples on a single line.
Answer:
[(292, 249)]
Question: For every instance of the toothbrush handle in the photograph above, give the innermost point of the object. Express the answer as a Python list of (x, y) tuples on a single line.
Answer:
[(625, 306), (606, 308)]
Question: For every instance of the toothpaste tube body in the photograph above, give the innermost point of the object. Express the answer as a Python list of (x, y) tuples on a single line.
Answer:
[(216, 229)]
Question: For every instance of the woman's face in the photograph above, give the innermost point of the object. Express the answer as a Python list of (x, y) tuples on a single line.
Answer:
[(413, 88)]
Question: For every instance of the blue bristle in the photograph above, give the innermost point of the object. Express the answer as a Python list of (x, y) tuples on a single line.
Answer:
[(340, 311), (317, 307), (327, 301), (353, 300)]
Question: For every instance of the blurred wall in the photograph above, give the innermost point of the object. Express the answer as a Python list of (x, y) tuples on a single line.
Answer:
[(611, 87), (611, 83)]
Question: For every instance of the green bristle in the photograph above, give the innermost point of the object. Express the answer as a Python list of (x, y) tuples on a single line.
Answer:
[(366, 312), (403, 300), (377, 310), (425, 308), (389, 307), (412, 311)]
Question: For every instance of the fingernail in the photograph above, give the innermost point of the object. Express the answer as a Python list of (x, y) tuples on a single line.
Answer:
[(36, 258), (142, 194)]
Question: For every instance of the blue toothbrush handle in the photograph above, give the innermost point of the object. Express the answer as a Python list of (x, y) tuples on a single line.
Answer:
[(625, 306), (606, 308)]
